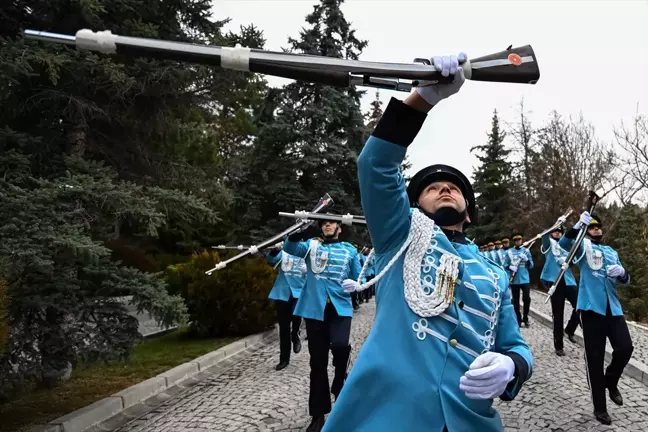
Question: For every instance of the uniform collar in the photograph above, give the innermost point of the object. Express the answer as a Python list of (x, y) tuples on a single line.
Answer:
[(455, 236), (330, 241)]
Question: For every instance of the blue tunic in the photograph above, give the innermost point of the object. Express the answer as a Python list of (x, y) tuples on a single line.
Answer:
[(406, 376), (596, 290), (328, 265), (522, 274), (291, 278), (552, 251)]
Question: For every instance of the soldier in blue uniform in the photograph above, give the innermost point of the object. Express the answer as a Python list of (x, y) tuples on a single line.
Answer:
[(444, 341), (600, 311), (285, 292), (491, 251), (499, 253), (554, 258), (520, 261), (326, 306)]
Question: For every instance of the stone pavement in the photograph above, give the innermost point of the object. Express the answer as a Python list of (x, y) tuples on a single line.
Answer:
[(638, 334), (251, 396)]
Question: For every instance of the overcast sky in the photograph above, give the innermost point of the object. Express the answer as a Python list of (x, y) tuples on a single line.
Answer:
[(593, 58)]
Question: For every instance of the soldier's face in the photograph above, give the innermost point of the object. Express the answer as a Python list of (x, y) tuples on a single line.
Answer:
[(556, 235), (505, 244), (442, 194), (595, 231), (499, 246), (329, 228), (518, 242)]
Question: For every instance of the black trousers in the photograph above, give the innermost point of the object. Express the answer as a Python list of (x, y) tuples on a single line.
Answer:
[(354, 299), (596, 328), (332, 333), (526, 298), (286, 334), (558, 311)]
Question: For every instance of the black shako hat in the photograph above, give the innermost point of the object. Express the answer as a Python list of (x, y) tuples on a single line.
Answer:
[(596, 221), (440, 172)]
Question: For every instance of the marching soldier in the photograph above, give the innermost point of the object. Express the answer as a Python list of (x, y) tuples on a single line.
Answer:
[(499, 254), (554, 258), (600, 311), (520, 261), (326, 307), (285, 292), (491, 251), (444, 342)]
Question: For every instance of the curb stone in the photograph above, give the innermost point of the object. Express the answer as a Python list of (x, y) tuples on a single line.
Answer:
[(89, 416), (634, 369)]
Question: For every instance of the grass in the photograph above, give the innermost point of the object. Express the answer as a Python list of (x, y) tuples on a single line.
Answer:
[(96, 382)]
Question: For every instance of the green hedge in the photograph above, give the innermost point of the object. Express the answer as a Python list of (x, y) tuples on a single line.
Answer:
[(232, 301), (4, 317)]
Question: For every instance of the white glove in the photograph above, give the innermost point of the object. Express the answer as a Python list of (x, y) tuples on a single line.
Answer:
[(584, 220), (560, 261), (615, 271), (350, 285), (448, 65), (513, 268), (488, 376), (524, 257)]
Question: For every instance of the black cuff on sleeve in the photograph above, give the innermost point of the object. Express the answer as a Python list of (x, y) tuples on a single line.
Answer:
[(521, 366), (625, 278), (400, 123), (572, 234), (296, 237), (274, 252)]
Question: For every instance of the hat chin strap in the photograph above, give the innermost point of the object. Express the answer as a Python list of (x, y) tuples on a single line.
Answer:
[(446, 216)]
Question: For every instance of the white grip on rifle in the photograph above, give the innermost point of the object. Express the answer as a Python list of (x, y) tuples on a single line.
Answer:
[(347, 219), (253, 250), (301, 214), (237, 58), (103, 41)]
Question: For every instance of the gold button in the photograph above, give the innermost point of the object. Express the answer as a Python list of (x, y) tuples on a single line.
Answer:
[(453, 342)]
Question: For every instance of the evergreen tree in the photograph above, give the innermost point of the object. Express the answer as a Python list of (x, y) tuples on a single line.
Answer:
[(373, 117), (629, 237), (311, 136), (492, 186), (99, 149)]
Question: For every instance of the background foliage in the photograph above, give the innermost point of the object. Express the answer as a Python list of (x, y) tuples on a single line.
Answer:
[(118, 172)]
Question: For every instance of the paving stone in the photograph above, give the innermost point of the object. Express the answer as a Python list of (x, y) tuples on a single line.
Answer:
[(249, 395)]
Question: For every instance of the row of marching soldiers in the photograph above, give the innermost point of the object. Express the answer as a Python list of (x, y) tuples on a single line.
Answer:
[(596, 309), (446, 339)]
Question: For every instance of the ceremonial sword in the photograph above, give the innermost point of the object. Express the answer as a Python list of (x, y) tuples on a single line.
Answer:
[(513, 65)]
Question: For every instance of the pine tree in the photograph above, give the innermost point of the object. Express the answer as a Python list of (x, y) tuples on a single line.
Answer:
[(309, 145), (492, 186), (372, 118), (629, 237), (96, 149)]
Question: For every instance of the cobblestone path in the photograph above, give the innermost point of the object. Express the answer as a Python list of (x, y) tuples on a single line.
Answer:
[(251, 396)]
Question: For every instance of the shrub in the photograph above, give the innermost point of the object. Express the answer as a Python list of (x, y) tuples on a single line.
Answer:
[(232, 301)]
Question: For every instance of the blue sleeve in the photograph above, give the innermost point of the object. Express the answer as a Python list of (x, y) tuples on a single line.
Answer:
[(356, 267), (272, 260), (530, 262), (546, 243), (509, 342), (567, 242), (296, 248), (382, 188)]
